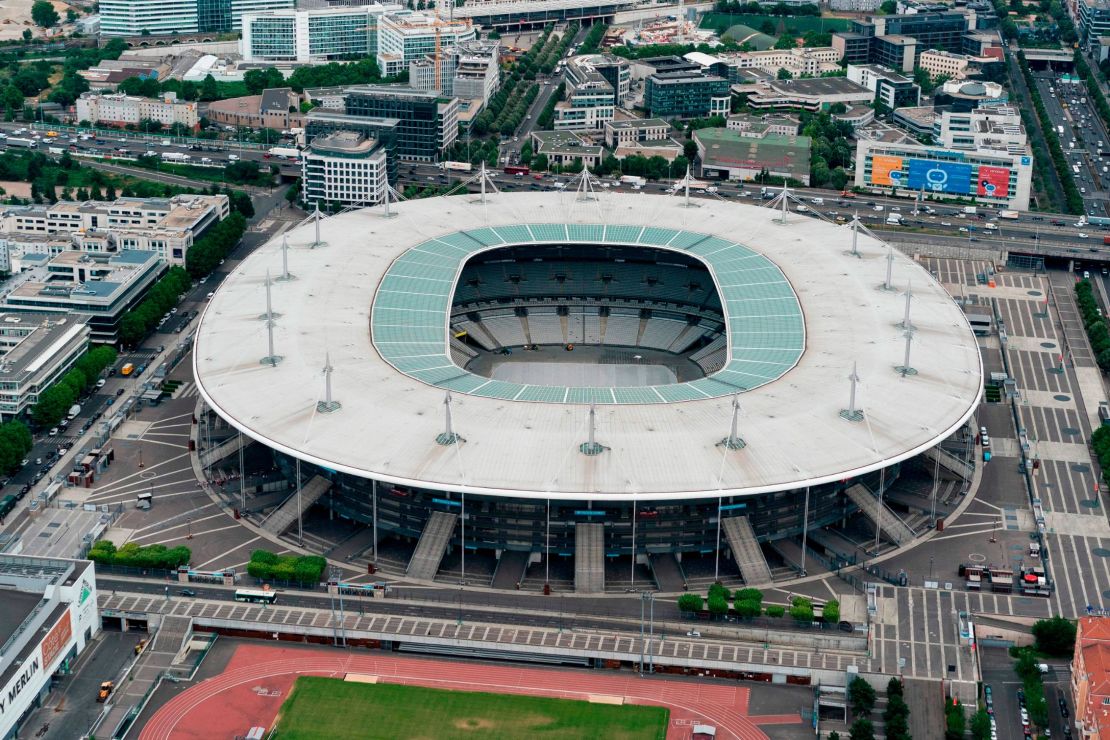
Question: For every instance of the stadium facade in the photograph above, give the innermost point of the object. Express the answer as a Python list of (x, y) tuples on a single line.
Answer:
[(548, 375)]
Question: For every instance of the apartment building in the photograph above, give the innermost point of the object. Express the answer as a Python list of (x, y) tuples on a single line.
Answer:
[(121, 110)]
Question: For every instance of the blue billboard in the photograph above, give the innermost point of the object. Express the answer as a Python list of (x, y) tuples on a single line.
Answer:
[(940, 177)]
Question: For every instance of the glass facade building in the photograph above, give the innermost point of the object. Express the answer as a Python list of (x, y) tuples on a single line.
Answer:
[(160, 18), (305, 36), (685, 95), (428, 123)]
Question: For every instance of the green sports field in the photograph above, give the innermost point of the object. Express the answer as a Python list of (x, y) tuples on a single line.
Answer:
[(334, 709)]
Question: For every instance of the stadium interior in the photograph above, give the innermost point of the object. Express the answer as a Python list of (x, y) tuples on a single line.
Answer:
[(588, 316)]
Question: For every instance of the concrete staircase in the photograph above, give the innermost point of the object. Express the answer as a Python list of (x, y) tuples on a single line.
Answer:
[(223, 450), (746, 551), (429, 551), (589, 558), (950, 462), (281, 518), (893, 528)]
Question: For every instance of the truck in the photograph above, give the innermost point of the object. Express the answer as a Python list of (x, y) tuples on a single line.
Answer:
[(74, 410), (457, 166), (894, 219), (970, 210), (1099, 220), (516, 169), (127, 369), (1106, 240), (1011, 215), (56, 149), (175, 157), (23, 142), (289, 152), (633, 180)]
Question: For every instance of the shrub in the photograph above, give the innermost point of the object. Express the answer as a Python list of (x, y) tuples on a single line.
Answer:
[(137, 556), (801, 609), (690, 603), (717, 605), (747, 609), (302, 569), (750, 594), (831, 611), (776, 611)]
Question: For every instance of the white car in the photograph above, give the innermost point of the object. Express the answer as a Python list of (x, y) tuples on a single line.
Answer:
[(1082, 235), (693, 633)]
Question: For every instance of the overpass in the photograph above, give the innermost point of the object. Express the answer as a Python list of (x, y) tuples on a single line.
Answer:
[(531, 13)]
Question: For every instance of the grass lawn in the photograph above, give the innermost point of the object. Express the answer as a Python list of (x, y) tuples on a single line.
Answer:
[(330, 708)]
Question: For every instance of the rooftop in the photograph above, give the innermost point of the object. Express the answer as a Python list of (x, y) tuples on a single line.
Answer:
[(31, 338), (344, 142), (638, 123), (818, 86), (522, 440)]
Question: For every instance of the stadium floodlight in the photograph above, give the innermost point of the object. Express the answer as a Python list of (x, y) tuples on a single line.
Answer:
[(285, 275), (905, 368), (328, 405), (906, 324), (448, 436), (852, 413), (733, 440)]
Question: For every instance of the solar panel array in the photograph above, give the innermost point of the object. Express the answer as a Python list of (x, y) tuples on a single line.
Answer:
[(765, 327)]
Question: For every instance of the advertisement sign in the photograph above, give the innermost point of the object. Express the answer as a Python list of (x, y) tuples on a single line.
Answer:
[(940, 177), (56, 640), (994, 182), (887, 170)]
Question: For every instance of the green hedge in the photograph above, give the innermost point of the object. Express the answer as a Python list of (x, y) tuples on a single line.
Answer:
[(137, 556), (303, 569)]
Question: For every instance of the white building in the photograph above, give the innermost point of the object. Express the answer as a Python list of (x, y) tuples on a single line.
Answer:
[(983, 155), (636, 131), (759, 126), (120, 110), (954, 66), (345, 168), (857, 6), (812, 61), (477, 70), (36, 350), (155, 18), (595, 86), (166, 226), (405, 36), (50, 616), (307, 35), (892, 89)]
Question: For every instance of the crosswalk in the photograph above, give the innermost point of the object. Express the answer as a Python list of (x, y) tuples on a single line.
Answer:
[(186, 390)]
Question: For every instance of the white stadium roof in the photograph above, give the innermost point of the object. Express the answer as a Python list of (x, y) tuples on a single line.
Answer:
[(659, 449)]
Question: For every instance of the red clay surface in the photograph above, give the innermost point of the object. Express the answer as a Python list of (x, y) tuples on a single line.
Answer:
[(258, 679)]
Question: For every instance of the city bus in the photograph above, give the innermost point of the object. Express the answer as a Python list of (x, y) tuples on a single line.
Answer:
[(255, 596)]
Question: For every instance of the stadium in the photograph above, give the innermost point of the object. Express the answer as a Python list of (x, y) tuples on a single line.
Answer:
[(590, 389)]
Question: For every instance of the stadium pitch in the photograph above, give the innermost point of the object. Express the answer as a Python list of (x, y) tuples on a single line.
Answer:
[(332, 708)]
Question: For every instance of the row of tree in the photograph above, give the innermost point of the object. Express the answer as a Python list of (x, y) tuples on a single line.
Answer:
[(162, 296), (303, 569), (56, 400), (207, 252), (748, 603), (136, 556), (737, 8), (1073, 201), (509, 104), (15, 442), (1094, 322)]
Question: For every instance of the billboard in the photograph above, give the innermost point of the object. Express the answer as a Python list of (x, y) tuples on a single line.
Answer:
[(56, 641), (994, 182), (940, 177), (886, 170)]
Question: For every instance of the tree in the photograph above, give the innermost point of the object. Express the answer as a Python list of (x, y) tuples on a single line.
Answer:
[(981, 725), (258, 80), (786, 41), (71, 15), (801, 609), (43, 14), (27, 35), (690, 149), (861, 696), (862, 729), (834, 735), (209, 89), (831, 611), (689, 603), (955, 722), (718, 605), (894, 687), (1055, 637)]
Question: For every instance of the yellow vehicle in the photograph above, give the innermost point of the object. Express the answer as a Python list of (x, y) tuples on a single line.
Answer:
[(51, 134), (105, 691), (139, 646), (127, 369)]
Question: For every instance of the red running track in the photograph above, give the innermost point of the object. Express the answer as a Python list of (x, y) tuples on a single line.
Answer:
[(258, 679)]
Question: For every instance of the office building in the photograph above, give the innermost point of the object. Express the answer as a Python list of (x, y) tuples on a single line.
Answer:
[(730, 154), (759, 126), (428, 123), (595, 86), (406, 36), (894, 51), (344, 168), (891, 89), (321, 122), (811, 94), (853, 48), (1094, 21), (636, 131), (166, 226), (855, 6), (104, 286), (686, 95), (36, 350), (154, 18), (476, 70), (312, 35), (983, 154), (50, 617), (1090, 677), (918, 120), (937, 63), (121, 110), (565, 147), (967, 95), (896, 41), (812, 61)]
